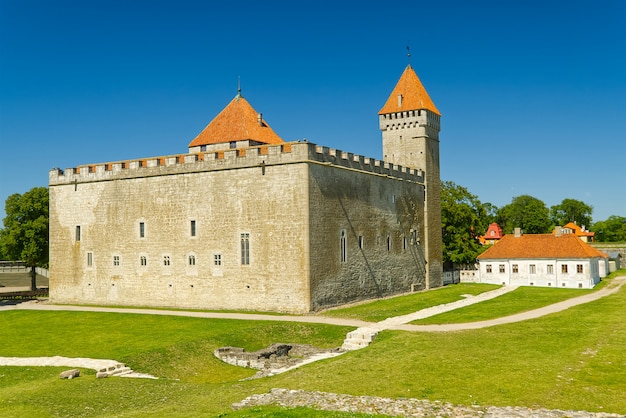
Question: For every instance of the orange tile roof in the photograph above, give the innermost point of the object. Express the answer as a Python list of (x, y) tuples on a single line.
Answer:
[(540, 246), (414, 95), (237, 122), (578, 231)]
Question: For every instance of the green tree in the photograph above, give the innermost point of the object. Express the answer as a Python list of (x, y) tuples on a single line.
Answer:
[(611, 230), (526, 212), (571, 210), (491, 213), (463, 220), (25, 233)]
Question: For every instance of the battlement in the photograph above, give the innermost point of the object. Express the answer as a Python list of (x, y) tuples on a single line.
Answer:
[(409, 119), (257, 156)]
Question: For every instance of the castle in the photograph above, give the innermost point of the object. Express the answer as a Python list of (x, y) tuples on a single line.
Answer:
[(247, 221)]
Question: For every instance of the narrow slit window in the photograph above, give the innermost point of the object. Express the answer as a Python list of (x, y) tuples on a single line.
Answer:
[(343, 244), (143, 260), (192, 227), (77, 232), (142, 230), (89, 259), (245, 249)]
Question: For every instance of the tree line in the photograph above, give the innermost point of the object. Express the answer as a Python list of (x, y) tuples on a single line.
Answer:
[(465, 218), (24, 236)]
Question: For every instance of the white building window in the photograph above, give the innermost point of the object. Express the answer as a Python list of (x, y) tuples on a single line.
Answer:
[(564, 268), (579, 268), (501, 268), (532, 269), (488, 268), (515, 268), (550, 269)]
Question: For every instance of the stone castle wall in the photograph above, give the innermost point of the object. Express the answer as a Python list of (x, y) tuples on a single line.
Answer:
[(291, 199)]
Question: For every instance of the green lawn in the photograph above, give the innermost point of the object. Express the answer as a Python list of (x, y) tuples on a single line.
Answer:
[(402, 305), (570, 360), (520, 300)]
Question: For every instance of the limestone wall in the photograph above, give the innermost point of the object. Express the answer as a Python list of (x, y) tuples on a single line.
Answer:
[(224, 204), (121, 233), (382, 222)]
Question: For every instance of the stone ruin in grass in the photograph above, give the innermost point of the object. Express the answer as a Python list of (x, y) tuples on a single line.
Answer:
[(276, 358)]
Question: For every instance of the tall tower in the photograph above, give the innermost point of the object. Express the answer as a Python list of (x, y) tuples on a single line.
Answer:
[(409, 122)]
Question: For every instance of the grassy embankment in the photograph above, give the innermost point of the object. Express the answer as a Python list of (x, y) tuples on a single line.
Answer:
[(570, 360)]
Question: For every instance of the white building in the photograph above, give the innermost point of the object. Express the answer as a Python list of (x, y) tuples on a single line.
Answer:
[(543, 260)]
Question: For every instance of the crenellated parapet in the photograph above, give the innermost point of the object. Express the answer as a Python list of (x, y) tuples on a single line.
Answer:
[(228, 159), (424, 121)]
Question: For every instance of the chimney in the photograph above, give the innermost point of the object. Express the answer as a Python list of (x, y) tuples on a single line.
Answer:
[(518, 232), (399, 100), (558, 231), (260, 119)]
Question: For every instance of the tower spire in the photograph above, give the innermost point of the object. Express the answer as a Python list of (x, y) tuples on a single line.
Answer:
[(408, 53), (239, 87)]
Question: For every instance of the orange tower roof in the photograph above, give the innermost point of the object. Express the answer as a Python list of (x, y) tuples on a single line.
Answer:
[(237, 122), (414, 95)]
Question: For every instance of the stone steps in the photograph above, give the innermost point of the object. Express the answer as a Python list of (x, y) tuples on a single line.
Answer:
[(359, 338), (118, 370)]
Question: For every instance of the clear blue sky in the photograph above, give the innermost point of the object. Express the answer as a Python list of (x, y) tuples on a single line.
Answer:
[(532, 93)]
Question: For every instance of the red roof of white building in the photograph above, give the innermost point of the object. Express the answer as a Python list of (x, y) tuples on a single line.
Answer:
[(538, 246)]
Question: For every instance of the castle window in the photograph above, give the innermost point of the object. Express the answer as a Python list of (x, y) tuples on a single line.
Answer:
[(233, 144), (388, 243), (217, 259), (343, 244), (532, 269), (77, 232), (192, 260), (245, 249), (89, 259), (166, 260), (202, 148), (404, 243), (143, 260), (193, 228), (579, 268), (550, 269), (501, 268), (361, 241), (564, 268), (488, 268), (116, 260), (142, 230)]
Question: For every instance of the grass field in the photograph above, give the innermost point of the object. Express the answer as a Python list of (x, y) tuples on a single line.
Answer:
[(570, 360)]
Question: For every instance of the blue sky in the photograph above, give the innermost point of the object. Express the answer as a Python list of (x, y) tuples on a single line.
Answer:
[(532, 93)]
